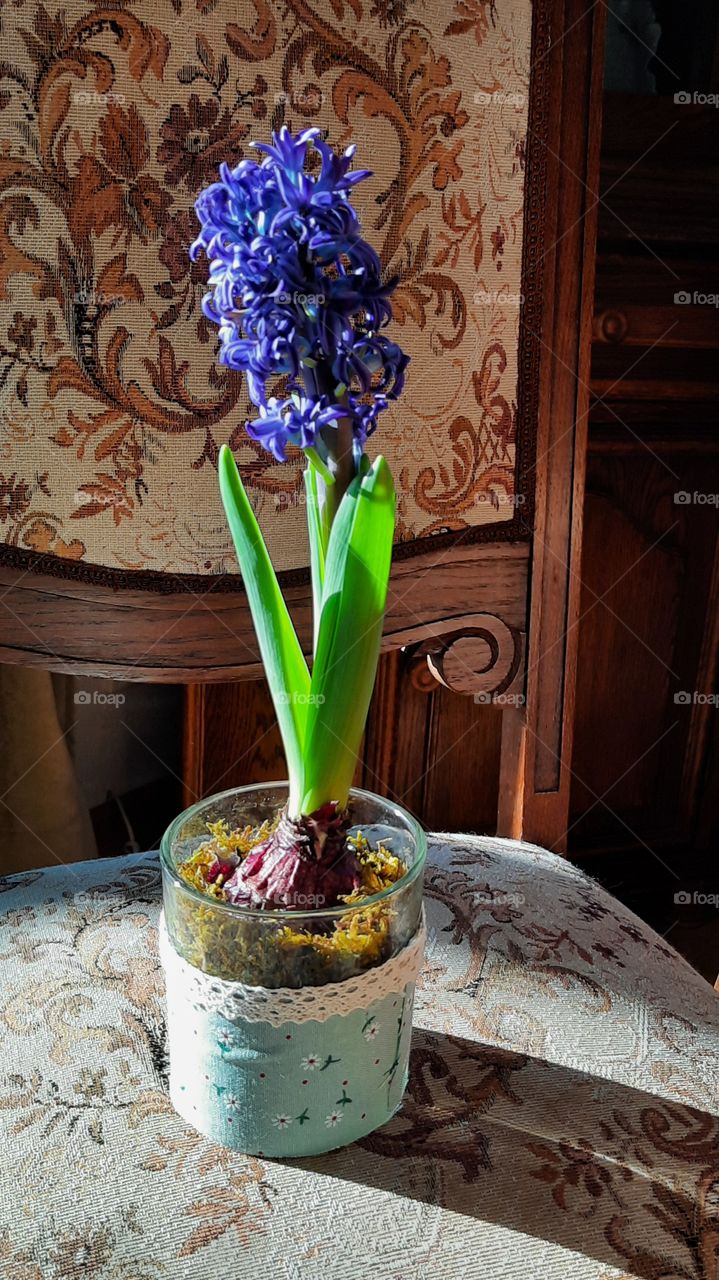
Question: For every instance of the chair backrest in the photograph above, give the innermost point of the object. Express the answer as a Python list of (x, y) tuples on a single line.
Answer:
[(481, 127)]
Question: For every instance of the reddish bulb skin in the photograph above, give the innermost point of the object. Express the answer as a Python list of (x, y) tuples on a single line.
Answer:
[(221, 867), (305, 865)]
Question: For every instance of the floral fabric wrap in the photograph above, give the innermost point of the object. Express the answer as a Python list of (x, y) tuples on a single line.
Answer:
[(289, 1073)]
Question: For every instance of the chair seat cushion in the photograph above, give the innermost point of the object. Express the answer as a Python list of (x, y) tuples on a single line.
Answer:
[(560, 1118), (544, 961)]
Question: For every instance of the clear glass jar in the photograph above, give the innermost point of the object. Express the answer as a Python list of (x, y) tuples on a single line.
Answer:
[(291, 948)]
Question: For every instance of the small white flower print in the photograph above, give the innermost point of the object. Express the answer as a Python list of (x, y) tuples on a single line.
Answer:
[(282, 1122), (224, 1040), (333, 1119), (310, 1062), (372, 1031), (232, 1101)]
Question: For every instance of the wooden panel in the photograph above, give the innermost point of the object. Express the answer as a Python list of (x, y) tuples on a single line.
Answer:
[(462, 777), (538, 741), (182, 635), (433, 750), (395, 747), (649, 629), (659, 174), (647, 635), (632, 575), (231, 738), (635, 307)]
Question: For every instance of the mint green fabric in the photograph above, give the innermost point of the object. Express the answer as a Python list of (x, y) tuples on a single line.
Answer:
[(294, 1090)]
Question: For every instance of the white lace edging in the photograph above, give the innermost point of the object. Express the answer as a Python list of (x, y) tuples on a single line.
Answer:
[(237, 1002)]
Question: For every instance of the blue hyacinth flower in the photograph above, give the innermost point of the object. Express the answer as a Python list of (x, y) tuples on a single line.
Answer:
[(297, 293)]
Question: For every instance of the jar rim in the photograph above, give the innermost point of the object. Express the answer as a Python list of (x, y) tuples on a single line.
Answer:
[(409, 822)]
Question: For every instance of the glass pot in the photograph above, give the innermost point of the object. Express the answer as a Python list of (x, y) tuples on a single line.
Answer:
[(318, 1079)]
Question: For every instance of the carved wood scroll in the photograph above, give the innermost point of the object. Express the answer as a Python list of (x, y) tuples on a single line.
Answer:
[(479, 655)]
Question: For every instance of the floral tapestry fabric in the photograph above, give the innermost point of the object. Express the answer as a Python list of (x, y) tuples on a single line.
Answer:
[(112, 404), (560, 1119)]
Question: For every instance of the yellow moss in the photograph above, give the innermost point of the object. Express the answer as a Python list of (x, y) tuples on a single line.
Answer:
[(240, 841), (360, 933), (224, 844), (378, 868), (357, 940), (193, 872)]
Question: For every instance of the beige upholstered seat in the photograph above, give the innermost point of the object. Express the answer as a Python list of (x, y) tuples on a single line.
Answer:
[(560, 1119)]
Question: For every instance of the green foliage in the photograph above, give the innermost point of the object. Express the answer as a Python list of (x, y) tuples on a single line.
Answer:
[(318, 528), (285, 666), (322, 717), (350, 629)]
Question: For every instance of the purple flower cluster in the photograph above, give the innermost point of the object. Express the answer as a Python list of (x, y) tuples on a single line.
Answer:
[(297, 293)]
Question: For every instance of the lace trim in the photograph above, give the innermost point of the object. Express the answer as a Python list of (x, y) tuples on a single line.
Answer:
[(237, 1002)]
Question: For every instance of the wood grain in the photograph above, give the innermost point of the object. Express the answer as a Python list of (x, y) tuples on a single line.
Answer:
[(646, 766), (231, 738), (538, 745), (183, 636)]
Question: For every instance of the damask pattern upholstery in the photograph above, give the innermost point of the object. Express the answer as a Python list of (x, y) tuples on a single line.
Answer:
[(112, 407), (560, 1121)]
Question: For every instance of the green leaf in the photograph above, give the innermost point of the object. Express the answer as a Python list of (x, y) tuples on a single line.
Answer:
[(354, 595), (318, 528), (285, 666)]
